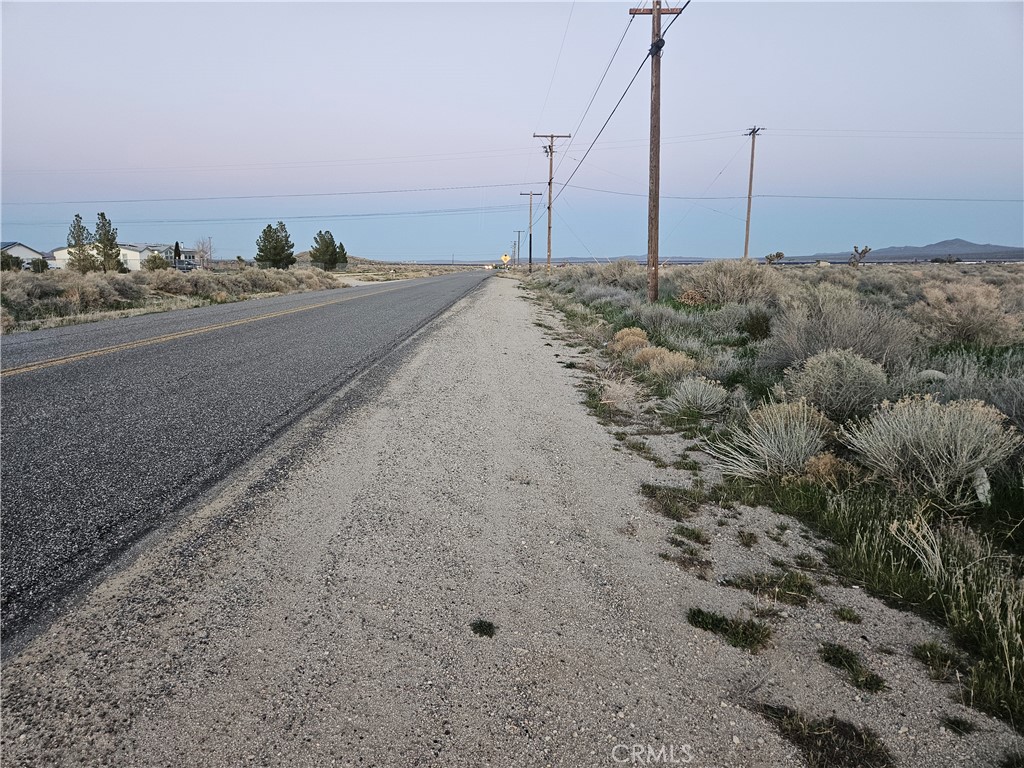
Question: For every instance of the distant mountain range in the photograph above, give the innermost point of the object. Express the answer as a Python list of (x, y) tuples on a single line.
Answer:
[(955, 249)]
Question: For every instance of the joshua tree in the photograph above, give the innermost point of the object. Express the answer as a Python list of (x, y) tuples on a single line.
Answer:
[(774, 258), (858, 255)]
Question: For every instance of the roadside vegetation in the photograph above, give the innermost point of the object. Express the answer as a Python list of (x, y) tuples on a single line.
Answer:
[(29, 301), (881, 406)]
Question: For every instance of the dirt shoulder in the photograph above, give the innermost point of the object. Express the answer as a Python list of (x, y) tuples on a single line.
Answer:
[(318, 611)]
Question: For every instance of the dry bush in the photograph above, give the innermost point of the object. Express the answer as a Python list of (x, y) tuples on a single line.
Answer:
[(967, 312), (829, 470), (777, 440), (933, 450), (626, 274), (725, 281), (839, 382), (628, 341), (671, 366), (826, 317), (696, 396)]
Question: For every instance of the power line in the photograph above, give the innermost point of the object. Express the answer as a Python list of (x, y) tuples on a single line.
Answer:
[(619, 102), (265, 197), (809, 197), (315, 217), (598, 88), (558, 59)]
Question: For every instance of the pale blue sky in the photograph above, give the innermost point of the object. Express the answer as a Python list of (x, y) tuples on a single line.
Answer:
[(290, 103)]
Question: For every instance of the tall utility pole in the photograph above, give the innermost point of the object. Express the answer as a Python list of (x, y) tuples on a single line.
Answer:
[(549, 149), (519, 243), (654, 194), (531, 194), (752, 133)]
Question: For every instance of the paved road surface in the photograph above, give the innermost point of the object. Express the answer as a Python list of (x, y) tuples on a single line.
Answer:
[(144, 414)]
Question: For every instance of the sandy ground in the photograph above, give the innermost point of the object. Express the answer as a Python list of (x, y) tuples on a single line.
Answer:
[(317, 610)]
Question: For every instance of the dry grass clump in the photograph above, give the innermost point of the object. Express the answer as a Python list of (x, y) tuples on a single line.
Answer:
[(938, 451), (826, 317), (725, 281), (628, 341), (777, 441), (839, 382), (671, 366), (982, 597), (828, 470), (967, 312)]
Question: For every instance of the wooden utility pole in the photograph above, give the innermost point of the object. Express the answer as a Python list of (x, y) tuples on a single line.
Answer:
[(531, 194), (654, 195), (549, 149), (752, 133), (519, 244)]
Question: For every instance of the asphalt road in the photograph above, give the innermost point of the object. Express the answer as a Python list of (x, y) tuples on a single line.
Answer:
[(109, 429)]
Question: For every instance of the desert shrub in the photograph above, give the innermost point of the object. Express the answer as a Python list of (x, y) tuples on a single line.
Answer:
[(777, 440), (626, 274), (605, 295), (967, 312), (167, 281), (839, 382), (721, 282), (696, 396), (938, 451), (627, 341), (752, 319), (126, 287), (663, 323), (892, 286), (826, 317), (719, 365), (671, 365), (995, 376)]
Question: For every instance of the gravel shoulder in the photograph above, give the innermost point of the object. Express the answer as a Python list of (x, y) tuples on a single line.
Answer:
[(317, 609)]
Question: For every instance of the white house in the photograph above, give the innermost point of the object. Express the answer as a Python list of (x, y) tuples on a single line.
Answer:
[(132, 254), (22, 251)]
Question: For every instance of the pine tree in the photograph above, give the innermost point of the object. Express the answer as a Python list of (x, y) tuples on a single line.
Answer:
[(177, 252), (342, 254), (274, 247), (324, 252), (108, 252), (81, 257)]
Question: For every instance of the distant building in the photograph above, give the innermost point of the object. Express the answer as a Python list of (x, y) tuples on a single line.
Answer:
[(23, 252), (133, 255)]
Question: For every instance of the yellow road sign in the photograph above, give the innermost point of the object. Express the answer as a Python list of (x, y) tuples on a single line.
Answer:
[(504, 259)]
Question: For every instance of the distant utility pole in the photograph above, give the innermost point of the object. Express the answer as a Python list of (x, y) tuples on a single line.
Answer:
[(654, 195), (752, 133), (549, 149), (519, 244), (531, 194)]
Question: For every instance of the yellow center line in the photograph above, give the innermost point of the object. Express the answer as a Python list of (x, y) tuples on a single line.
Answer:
[(28, 367)]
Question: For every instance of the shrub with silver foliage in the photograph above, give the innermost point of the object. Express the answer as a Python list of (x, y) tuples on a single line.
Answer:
[(697, 395), (776, 441), (840, 382), (933, 450)]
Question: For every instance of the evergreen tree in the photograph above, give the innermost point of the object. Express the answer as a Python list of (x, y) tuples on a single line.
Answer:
[(177, 252), (108, 252), (274, 247), (81, 257), (324, 252), (9, 262), (342, 255)]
